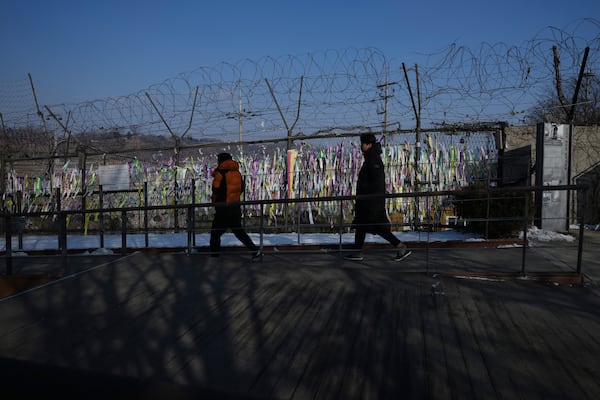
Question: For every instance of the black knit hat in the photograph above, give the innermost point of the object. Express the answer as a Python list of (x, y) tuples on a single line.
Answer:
[(223, 156), (367, 138)]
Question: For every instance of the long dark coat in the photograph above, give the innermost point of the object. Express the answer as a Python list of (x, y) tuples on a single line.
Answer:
[(370, 213)]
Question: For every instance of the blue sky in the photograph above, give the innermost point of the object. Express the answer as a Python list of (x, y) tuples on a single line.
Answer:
[(83, 50)]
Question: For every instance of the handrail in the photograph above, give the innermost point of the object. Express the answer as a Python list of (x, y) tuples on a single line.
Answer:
[(304, 200), (190, 207)]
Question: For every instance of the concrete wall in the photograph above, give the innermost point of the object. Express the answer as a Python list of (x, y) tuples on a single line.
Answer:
[(585, 157), (586, 145)]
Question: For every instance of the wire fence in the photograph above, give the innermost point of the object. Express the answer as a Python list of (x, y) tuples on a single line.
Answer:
[(438, 118), (444, 162), (328, 92)]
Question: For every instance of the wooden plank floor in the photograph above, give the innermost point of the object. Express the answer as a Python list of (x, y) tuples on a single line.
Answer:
[(299, 327)]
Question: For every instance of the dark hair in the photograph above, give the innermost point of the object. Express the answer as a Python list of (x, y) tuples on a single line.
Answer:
[(367, 138), (223, 156)]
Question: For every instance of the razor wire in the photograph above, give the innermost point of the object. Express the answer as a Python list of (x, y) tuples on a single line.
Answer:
[(329, 92)]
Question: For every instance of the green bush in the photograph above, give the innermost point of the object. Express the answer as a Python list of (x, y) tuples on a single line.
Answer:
[(494, 213)]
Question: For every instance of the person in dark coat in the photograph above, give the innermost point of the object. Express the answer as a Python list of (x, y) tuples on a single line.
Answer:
[(369, 213), (227, 187)]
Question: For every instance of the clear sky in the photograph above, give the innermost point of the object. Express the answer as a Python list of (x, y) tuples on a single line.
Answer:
[(79, 50)]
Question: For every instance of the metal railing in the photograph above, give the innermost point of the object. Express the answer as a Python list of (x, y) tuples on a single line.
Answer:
[(14, 223)]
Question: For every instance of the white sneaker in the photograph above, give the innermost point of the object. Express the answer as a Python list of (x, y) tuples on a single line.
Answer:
[(402, 255), (354, 257)]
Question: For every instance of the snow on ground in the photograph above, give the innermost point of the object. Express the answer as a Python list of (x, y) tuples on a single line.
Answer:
[(534, 233), (114, 241)]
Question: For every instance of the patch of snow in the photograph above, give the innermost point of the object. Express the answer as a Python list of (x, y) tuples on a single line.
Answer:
[(510, 246), (534, 233), (113, 241), (102, 251)]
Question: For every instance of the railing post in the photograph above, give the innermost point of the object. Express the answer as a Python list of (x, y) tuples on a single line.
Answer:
[(62, 220), (193, 221), (8, 237), (101, 217), (62, 225), (123, 232), (581, 232), (525, 227), (20, 221), (146, 241), (297, 208), (190, 212), (176, 210), (62, 232), (487, 215), (261, 225), (340, 225)]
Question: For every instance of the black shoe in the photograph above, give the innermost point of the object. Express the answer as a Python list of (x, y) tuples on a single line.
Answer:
[(257, 255), (354, 257)]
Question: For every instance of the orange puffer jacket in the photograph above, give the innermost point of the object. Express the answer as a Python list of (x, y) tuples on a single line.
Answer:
[(227, 183)]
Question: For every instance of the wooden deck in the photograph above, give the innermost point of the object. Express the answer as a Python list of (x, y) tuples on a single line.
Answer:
[(298, 327)]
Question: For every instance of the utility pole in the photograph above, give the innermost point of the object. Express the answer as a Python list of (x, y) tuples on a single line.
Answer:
[(239, 115)]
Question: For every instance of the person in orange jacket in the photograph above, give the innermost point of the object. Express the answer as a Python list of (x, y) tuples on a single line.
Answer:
[(227, 187)]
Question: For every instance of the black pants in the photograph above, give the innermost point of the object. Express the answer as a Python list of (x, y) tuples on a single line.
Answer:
[(228, 218), (382, 230)]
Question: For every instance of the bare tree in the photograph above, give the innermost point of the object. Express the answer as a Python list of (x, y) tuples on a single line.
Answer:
[(556, 108)]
